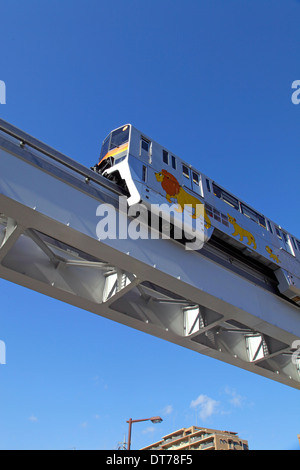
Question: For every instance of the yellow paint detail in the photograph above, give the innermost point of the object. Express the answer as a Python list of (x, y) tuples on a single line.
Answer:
[(272, 255), (115, 151), (173, 190), (238, 230)]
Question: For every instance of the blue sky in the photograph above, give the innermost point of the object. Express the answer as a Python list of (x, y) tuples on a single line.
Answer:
[(209, 79)]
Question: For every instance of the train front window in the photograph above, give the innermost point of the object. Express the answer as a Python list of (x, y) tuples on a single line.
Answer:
[(115, 140), (105, 147), (119, 137)]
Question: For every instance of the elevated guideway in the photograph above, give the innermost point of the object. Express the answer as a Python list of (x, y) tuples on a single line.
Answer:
[(210, 301)]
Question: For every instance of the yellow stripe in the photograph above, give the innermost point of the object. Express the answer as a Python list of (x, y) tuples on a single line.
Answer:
[(115, 151)]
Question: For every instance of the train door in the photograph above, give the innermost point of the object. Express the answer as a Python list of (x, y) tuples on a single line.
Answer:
[(285, 240), (187, 176), (146, 150), (196, 183)]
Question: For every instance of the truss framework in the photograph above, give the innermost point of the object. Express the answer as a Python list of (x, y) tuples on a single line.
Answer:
[(48, 243)]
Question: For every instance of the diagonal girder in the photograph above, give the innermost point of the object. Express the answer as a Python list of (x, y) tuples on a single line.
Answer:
[(48, 243)]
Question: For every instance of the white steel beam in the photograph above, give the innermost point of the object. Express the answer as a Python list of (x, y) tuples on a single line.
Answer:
[(48, 220)]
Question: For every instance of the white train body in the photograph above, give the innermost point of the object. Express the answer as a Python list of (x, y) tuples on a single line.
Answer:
[(156, 177)]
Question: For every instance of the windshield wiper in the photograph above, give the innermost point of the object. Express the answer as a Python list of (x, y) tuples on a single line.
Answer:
[(115, 146)]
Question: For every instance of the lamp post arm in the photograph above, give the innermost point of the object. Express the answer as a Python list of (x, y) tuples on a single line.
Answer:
[(138, 420), (130, 421), (129, 429)]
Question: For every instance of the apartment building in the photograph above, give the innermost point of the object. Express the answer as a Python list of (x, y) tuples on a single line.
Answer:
[(196, 438)]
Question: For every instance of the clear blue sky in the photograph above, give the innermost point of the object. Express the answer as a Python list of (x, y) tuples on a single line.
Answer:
[(209, 79)]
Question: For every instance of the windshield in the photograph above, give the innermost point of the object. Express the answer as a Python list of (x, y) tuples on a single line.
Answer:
[(105, 146), (114, 140), (119, 137)]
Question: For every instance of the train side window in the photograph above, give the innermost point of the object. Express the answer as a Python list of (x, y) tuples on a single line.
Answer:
[(278, 233), (208, 185), (145, 144), (195, 177), (217, 215), (269, 226), (288, 243), (173, 162), (259, 219), (209, 209), (165, 157), (298, 244), (226, 197), (185, 171), (295, 243), (144, 176), (285, 241), (230, 200)]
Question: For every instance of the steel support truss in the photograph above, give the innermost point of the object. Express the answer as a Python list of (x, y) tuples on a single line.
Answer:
[(48, 243)]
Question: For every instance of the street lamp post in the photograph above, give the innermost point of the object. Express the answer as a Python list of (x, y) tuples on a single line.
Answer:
[(154, 419)]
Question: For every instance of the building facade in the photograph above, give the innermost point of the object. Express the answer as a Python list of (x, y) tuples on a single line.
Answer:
[(196, 438)]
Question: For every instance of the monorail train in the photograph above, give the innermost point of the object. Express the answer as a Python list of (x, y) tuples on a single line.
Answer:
[(155, 176)]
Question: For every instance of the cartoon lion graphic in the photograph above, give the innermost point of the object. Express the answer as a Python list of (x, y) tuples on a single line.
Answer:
[(272, 255), (173, 190), (238, 230)]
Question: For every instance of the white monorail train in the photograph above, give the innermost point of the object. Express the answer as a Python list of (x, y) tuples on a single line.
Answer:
[(154, 176)]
